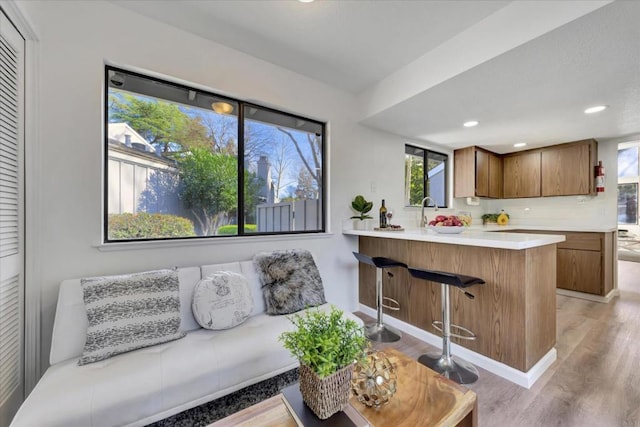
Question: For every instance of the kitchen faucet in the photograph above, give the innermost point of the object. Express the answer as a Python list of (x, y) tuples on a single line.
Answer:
[(423, 220)]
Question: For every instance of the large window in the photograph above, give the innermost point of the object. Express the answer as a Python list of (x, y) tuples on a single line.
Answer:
[(185, 163), (628, 179), (421, 181)]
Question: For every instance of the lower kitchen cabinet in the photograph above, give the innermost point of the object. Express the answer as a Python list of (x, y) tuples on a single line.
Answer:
[(585, 260), (580, 271)]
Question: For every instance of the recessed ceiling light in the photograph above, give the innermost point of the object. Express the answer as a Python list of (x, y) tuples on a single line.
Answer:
[(305, 1), (470, 123), (519, 144), (595, 109)]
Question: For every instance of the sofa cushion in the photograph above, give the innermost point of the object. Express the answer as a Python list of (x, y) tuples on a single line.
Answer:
[(70, 324), (149, 384), (222, 300), (248, 270), (290, 280), (129, 312)]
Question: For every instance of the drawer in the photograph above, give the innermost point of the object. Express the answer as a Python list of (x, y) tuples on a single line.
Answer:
[(574, 240), (581, 241)]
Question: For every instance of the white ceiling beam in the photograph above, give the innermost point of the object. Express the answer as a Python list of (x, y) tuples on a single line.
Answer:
[(506, 29)]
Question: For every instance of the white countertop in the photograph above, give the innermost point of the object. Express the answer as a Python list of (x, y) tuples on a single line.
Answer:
[(472, 236), (547, 227)]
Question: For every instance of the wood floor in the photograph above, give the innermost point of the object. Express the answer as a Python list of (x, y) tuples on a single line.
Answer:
[(596, 379)]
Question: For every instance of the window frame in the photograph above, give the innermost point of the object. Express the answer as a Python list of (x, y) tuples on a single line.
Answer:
[(425, 178), (242, 105)]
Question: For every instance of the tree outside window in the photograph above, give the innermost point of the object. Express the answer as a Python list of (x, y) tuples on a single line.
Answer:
[(174, 168), (420, 183)]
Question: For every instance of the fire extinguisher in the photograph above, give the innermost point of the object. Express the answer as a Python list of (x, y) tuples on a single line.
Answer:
[(599, 172)]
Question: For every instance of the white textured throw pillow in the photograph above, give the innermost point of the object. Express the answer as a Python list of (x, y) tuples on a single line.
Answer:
[(131, 311), (222, 300)]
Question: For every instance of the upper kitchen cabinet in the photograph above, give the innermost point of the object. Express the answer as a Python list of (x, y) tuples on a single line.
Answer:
[(477, 173), (522, 174), (567, 169)]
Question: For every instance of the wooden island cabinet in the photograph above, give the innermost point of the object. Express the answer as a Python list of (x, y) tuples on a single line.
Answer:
[(513, 313)]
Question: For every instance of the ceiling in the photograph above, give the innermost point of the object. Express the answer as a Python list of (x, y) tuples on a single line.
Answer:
[(525, 70)]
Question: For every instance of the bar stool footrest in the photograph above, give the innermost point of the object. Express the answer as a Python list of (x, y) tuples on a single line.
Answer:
[(464, 333), (394, 307)]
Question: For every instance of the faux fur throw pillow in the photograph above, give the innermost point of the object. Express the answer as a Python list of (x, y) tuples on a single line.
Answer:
[(290, 281)]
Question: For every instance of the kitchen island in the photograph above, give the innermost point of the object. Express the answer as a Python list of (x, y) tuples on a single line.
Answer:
[(513, 314)]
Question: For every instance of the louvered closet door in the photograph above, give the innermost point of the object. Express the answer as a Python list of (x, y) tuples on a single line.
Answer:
[(11, 225)]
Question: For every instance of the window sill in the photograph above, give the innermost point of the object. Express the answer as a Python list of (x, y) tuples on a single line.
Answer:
[(160, 244)]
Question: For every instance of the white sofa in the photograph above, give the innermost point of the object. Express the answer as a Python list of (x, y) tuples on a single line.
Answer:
[(152, 383)]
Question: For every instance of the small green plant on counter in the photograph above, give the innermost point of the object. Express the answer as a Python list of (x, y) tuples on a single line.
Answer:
[(326, 342), (360, 204), (491, 218)]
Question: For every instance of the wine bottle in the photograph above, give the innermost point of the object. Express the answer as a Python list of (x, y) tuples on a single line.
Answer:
[(383, 215)]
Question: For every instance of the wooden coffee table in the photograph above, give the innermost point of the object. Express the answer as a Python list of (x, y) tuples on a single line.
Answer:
[(423, 398)]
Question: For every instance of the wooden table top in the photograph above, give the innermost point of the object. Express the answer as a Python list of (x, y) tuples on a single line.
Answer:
[(423, 398)]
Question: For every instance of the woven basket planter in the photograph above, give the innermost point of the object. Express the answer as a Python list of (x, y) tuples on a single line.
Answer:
[(325, 396)]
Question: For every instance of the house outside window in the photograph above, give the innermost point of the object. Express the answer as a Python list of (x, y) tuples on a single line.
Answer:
[(186, 163), (421, 181)]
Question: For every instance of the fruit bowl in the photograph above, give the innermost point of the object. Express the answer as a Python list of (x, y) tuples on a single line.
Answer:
[(444, 229)]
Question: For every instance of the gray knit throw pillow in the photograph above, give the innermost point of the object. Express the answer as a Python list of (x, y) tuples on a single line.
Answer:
[(290, 281), (128, 312)]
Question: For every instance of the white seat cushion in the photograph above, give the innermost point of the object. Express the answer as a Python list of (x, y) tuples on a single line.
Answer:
[(152, 383)]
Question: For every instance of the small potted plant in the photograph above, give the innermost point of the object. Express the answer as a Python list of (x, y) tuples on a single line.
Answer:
[(492, 219), (362, 206), (489, 219), (327, 344)]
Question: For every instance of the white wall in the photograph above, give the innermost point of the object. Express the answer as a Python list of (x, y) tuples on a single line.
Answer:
[(75, 40)]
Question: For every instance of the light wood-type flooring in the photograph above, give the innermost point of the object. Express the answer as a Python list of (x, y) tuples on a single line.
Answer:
[(594, 382)]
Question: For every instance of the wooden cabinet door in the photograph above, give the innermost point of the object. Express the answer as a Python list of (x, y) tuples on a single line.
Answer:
[(495, 176), (521, 175), (482, 173), (567, 170), (580, 271), (464, 178)]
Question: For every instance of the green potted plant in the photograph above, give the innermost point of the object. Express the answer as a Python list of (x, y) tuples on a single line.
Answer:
[(362, 206), (489, 218), (492, 219), (327, 344)]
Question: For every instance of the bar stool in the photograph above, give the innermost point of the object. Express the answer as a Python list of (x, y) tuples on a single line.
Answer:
[(379, 331), (455, 369)]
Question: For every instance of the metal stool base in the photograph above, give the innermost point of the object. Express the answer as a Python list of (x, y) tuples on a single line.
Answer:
[(382, 333), (453, 368)]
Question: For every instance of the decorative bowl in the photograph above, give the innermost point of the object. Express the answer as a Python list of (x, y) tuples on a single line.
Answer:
[(443, 229)]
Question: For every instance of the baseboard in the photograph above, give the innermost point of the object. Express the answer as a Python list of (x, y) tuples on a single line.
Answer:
[(590, 297), (523, 379)]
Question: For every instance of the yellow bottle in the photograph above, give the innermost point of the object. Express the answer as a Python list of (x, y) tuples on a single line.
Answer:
[(503, 218)]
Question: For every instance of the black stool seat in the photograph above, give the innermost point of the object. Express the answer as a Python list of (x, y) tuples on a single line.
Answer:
[(378, 261), (459, 280), (455, 369), (379, 331)]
